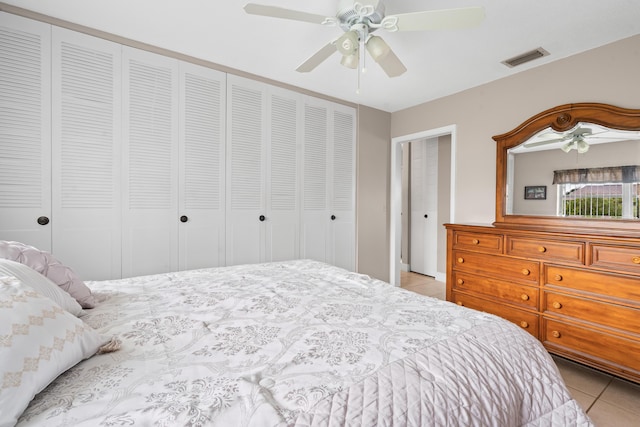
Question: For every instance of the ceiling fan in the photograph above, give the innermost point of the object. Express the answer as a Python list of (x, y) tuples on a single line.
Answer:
[(358, 19), (572, 139)]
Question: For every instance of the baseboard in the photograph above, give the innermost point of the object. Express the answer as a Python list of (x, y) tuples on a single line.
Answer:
[(404, 267), (441, 277)]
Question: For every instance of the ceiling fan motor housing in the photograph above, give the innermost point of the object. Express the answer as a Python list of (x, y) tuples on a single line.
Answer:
[(352, 12)]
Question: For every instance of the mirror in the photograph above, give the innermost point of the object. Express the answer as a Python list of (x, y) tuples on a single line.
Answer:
[(553, 169)]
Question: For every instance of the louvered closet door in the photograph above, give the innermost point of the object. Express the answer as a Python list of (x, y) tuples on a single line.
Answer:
[(86, 111), (202, 156), (342, 176), (328, 187), (315, 185), (246, 142), (282, 222), (150, 163), (25, 131)]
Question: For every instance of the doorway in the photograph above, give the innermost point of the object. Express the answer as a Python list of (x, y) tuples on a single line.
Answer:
[(444, 198), (420, 206)]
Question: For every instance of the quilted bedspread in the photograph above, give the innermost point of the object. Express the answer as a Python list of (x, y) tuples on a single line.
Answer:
[(300, 343)]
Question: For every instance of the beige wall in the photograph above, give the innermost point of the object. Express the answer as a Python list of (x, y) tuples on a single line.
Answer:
[(373, 192), (608, 74)]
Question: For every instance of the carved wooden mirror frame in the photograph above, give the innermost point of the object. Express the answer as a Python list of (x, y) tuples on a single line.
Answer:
[(562, 118)]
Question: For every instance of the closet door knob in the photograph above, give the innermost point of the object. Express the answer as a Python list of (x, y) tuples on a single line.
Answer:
[(262, 217), (333, 217), (184, 218), (43, 220)]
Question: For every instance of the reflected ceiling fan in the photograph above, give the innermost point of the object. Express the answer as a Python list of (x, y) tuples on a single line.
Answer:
[(572, 139), (358, 19)]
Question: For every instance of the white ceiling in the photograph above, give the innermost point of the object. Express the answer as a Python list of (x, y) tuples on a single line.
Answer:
[(439, 62)]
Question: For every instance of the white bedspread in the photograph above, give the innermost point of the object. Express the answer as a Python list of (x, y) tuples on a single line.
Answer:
[(300, 343)]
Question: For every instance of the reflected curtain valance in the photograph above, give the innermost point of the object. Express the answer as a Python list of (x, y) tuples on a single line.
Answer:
[(597, 175)]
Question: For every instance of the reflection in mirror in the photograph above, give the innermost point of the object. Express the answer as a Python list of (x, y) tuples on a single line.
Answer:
[(588, 171)]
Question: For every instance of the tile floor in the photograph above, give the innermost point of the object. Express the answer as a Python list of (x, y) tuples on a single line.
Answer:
[(609, 401)]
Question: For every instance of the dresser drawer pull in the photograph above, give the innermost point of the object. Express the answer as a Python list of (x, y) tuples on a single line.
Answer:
[(524, 324), (475, 241), (555, 334), (557, 278), (460, 303), (524, 297), (460, 282), (526, 272), (556, 304), (542, 249), (460, 260), (636, 260)]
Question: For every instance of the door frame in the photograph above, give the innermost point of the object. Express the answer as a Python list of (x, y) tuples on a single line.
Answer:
[(395, 220)]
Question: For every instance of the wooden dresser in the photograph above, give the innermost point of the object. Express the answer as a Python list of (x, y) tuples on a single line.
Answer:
[(579, 294)]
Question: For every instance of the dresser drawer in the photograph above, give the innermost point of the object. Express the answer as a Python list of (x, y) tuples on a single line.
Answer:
[(602, 313), (525, 319), (592, 343), (489, 243), (623, 258), (501, 267), (614, 286), (511, 293), (546, 249)]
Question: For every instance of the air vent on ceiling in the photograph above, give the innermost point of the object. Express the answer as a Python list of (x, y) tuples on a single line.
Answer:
[(525, 57)]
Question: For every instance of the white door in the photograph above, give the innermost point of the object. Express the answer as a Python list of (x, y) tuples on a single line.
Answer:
[(282, 213), (25, 131), (246, 145), (328, 184), (315, 210), (342, 176), (202, 157), (86, 170), (150, 163), (423, 202)]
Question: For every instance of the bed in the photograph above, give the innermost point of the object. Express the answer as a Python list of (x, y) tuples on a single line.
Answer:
[(297, 343)]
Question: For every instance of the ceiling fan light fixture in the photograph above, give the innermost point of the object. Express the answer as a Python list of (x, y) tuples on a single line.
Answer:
[(347, 44), (377, 48), (350, 61), (567, 147), (582, 146)]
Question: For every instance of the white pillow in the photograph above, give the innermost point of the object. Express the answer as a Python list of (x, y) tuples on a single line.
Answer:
[(40, 284), (38, 342)]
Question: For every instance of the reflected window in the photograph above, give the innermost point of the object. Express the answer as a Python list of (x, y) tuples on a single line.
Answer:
[(599, 200)]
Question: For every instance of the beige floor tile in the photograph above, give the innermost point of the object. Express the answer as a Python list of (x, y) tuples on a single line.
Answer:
[(581, 378), (623, 394), (604, 414), (583, 399)]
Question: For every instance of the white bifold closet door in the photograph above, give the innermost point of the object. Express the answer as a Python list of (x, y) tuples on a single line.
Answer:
[(86, 126), (262, 173), (202, 167), (150, 163), (328, 184), (25, 131)]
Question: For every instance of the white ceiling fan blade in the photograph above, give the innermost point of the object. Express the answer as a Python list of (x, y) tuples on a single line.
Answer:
[(317, 58), (443, 19), (544, 142), (391, 64), (279, 12)]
